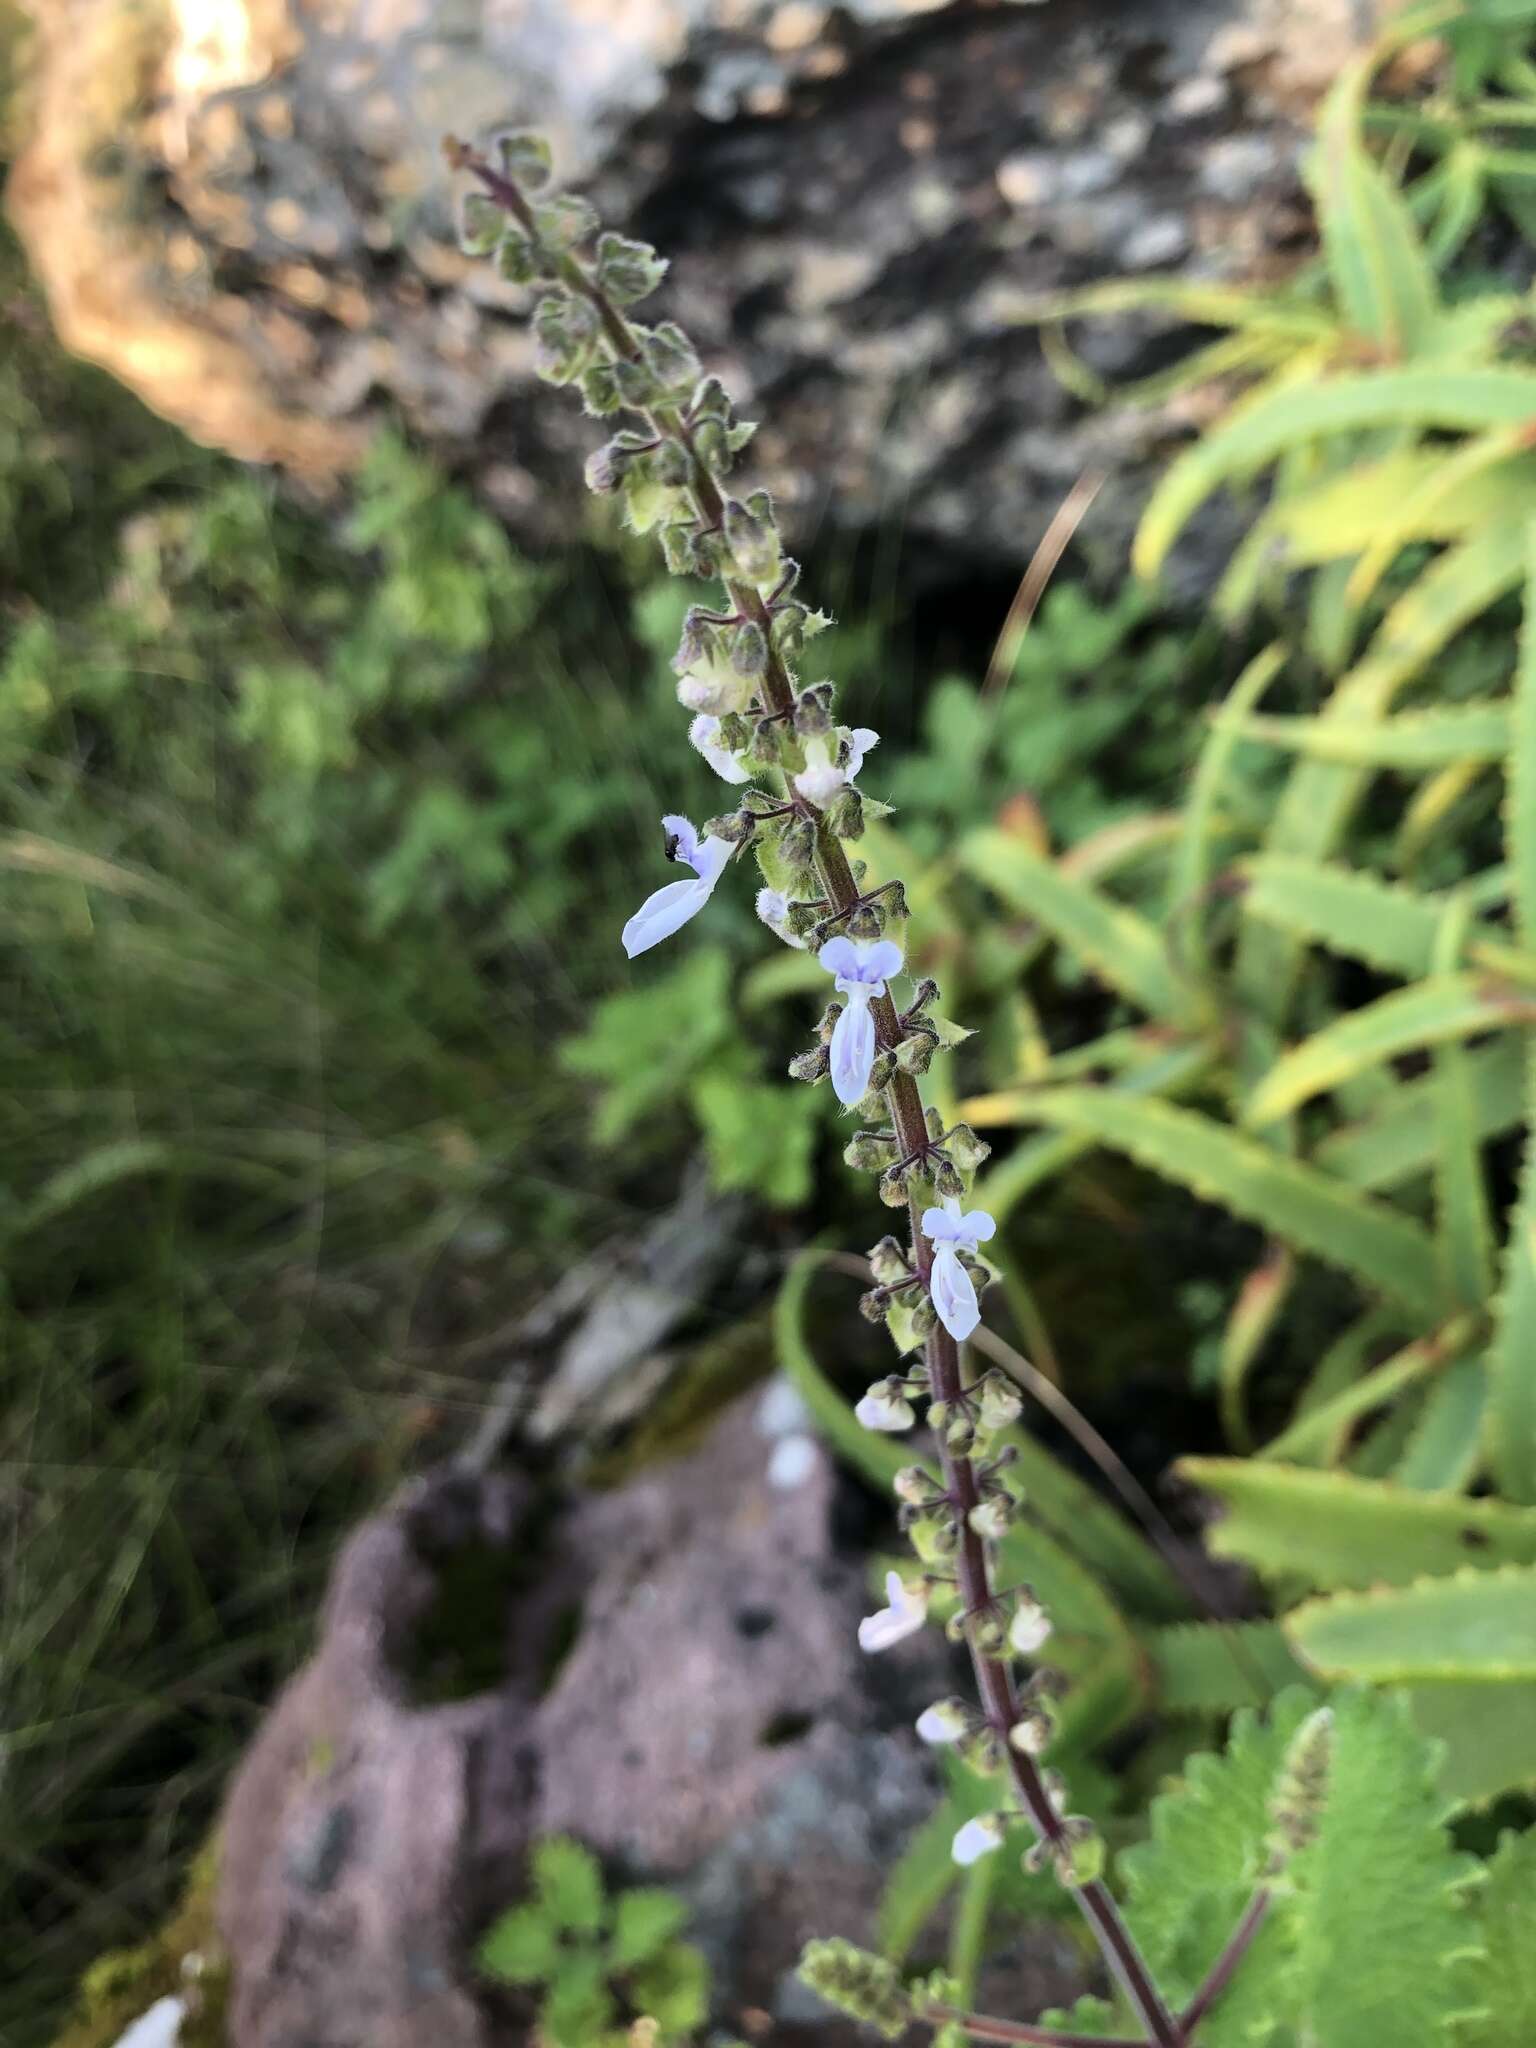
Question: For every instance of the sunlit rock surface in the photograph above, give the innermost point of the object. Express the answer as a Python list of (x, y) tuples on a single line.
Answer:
[(240, 208)]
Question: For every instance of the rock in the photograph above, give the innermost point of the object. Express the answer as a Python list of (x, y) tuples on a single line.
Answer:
[(244, 215), (712, 1726)]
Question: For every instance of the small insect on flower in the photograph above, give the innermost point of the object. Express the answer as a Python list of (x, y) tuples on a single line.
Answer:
[(862, 968), (978, 1838), (886, 1407), (952, 1290), (669, 909), (773, 909), (821, 779), (903, 1617), (704, 733)]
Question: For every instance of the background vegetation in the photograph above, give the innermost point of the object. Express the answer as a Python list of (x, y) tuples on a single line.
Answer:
[(308, 854)]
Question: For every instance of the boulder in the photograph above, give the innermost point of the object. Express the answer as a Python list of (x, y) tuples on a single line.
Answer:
[(242, 211)]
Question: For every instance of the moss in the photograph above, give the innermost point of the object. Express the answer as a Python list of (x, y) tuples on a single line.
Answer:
[(712, 1376), (120, 1986)]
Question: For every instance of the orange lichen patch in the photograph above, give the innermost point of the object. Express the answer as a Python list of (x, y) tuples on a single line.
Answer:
[(98, 69)]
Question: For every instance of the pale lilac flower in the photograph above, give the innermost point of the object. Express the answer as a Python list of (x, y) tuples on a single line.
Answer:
[(945, 1721), (821, 779), (1030, 1629), (978, 1838), (159, 2027), (704, 733), (886, 1407), (950, 1286), (773, 909), (659, 916), (904, 1616), (862, 968)]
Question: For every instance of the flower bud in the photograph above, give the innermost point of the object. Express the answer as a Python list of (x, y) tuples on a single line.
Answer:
[(914, 1486), (749, 650), (672, 358), (961, 1436), (1031, 1734), (868, 1988), (1030, 1629), (881, 1071), (813, 711), (681, 547), (753, 541), (874, 1306), (991, 1519), (810, 1066), (600, 396), (564, 331), (865, 1154), (988, 1636), (710, 401), (926, 992), (864, 923), (827, 1023), (944, 1722), (934, 1124), (946, 1178), (935, 1538), (1301, 1791), (914, 1055), (966, 1149), (482, 223), (521, 260), (565, 221), (1078, 1857), (887, 1261), (845, 814), (885, 1407), (893, 1186), (736, 826), (1001, 1406), (766, 745), (983, 1753)]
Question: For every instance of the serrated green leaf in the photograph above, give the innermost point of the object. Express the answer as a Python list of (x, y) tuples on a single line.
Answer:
[(1487, 1732), (1445, 1444), (1338, 1532), (569, 1884), (1382, 1945), (1413, 740), (1120, 947), (1348, 911), (1464, 1226), (1438, 1010), (578, 2008), (1381, 278), (1305, 1440), (1194, 862), (1211, 1667), (1294, 1202), (1207, 1849), (1258, 434), (1468, 1625), (1506, 1921), (673, 1988), (644, 1920), (1398, 1140), (521, 1947)]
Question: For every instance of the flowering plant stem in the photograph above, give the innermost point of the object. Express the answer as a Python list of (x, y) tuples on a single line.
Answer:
[(755, 721)]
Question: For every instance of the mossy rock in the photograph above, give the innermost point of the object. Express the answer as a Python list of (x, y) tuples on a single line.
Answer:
[(123, 1984)]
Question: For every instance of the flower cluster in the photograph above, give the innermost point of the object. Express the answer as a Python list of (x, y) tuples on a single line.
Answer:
[(774, 740)]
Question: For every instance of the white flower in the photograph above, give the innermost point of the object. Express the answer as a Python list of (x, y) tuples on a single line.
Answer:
[(821, 779), (659, 916), (1030, 1629), (159, 2027), (950, 1286), (945, 1721), (905, 1615), (862, 968), (773, 909), (886, 1407), (704, 733), (978, 1838)]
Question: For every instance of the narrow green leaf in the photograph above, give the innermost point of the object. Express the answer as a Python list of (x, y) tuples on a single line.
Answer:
[(1306, 1441), (1193, 863), (1488, 1736), (1414, 740), (1350, 912), (877, 1457), (920, 1880), (1470, 1625), (1465, 1228), (1121, 947), (1399, 1140), (1512, 1401), (1337, 1531), (1210, 1667), (1438, 1009), (1256, 435), (1520, 819), (1381, 277), (1444, 1449), (1294, 1202)]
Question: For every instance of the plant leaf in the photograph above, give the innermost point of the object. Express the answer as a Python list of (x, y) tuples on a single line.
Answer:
[(1506, 1920), (569, 1884), (1351, 913), (1445, 1447), (521, 1947), (644, 1920), (1292, 1201), (1398, 1140), (1121, 948), (1469, 1625), (1381, 277), (1211, 1667), (1411, 741), (1440, 1008), (1337, 1532)]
